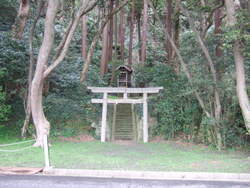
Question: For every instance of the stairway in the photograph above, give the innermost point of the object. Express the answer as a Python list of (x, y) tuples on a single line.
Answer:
[(123, 123)]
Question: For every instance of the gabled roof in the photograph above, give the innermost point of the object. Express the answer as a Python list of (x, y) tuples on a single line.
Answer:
[(128, 68)]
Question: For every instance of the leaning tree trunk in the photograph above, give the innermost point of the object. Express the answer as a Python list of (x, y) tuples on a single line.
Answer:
[(41, 123), (239, 65)]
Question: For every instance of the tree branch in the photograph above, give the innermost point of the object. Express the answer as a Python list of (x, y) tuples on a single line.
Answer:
[(83, 10)]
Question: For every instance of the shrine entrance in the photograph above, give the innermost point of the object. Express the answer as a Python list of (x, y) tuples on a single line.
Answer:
[(124, 100)]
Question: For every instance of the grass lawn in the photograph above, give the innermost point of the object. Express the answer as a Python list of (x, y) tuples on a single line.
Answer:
[(164, 156)]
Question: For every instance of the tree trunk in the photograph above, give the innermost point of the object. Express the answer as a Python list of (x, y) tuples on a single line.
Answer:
[(41, 123), (217, 30), (31, 71), (176, 35), (122, 34), (131, 38), (169, 12), (110, 33), (116, 32), (239, 65), (144, 32), (139, 35), (116, 54), (21, 19), (104, 58), (84, 37)]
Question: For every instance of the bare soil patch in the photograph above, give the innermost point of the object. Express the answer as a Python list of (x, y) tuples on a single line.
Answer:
[(79, 138)]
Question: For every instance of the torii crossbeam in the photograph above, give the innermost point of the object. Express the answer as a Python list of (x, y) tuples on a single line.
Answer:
[(124, 100)]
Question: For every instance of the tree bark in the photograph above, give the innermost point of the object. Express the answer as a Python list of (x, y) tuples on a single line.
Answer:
[(217, 30), (21, 19), (40, 121), (31, 71), (144, 32), (122, 33), (169, 26), (104, 58), (239, 65), (110, 32), (139, 34), (131, 28), (84, 37)]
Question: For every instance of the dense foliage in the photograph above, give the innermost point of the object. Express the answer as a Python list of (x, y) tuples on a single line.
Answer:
[(177, 110)]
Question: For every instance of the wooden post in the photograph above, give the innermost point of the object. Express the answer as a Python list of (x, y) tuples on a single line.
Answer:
[(134, 122), (104, 117), (125, 95), (113, 122), (46, 152), (145, 118)]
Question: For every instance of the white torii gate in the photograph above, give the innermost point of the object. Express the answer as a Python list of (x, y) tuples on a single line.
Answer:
[(124, 100)]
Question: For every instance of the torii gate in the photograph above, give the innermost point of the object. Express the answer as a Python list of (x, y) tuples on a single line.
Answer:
[(124, 100)]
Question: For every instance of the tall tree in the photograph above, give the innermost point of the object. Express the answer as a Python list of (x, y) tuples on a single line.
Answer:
[(107, 40), (138, 20), (122, 33), (111, 31), (27, 99), (131, 34), (43, 70), (169, 28), (144, 31), (41, 123), (239, 65), (104, 58)]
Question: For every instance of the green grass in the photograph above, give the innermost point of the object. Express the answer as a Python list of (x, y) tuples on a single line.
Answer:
[(167, 156)]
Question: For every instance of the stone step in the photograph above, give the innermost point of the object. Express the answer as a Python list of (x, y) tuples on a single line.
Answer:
[(124, 124), (124, 116), (123, 127), (122, 135), (124, 131)]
